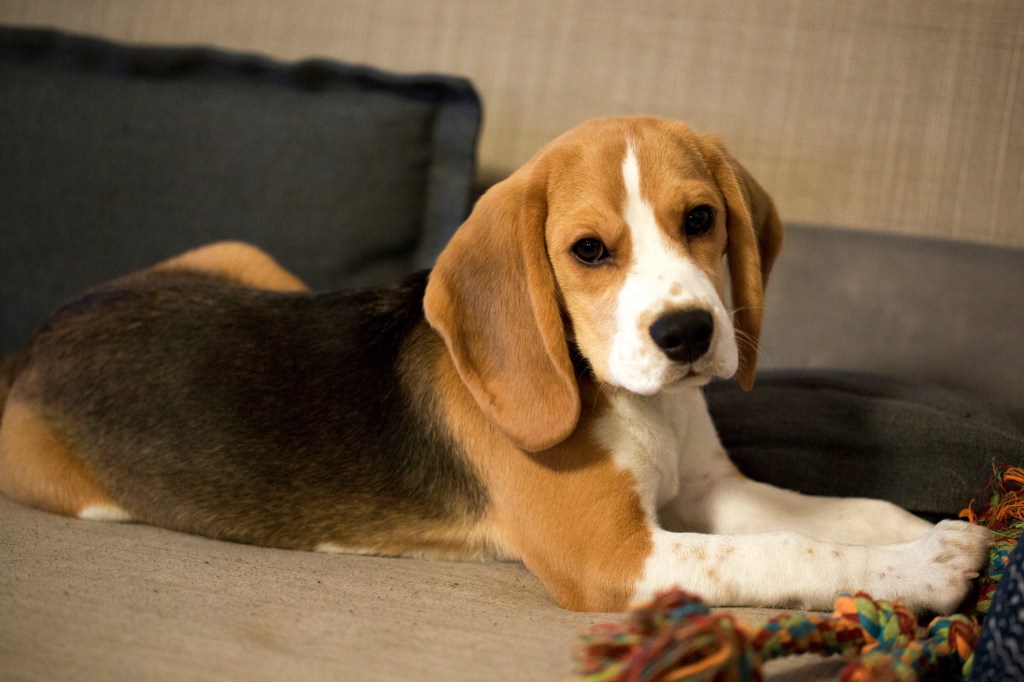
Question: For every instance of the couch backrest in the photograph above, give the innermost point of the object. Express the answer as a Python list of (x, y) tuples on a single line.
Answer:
[(114, 157)]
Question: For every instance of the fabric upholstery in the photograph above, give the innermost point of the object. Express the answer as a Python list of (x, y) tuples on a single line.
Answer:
[(115, 157)]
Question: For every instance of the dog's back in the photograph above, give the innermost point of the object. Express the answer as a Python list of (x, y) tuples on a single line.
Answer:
[(289, 420)]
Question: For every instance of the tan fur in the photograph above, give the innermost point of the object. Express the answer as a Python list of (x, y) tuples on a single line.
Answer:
[(241, 262), (38, 468), (582, 205), (492, 297), (568, 513), (755, 239)]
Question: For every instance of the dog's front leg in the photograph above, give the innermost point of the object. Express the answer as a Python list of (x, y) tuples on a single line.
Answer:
[(714, 497), (789, 569), (759, 545), (728, 502)]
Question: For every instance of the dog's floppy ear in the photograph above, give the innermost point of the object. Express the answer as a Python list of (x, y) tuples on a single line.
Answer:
[(755, 237), (492, 298)]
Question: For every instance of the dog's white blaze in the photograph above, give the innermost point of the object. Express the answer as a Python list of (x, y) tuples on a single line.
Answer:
[(660, 280), (104, 512)]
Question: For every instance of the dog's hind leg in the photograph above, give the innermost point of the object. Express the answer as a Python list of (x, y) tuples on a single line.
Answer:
[(239, 262), (38, 468)]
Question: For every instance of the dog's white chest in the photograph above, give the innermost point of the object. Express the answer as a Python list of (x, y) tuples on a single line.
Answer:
[(658, 438)]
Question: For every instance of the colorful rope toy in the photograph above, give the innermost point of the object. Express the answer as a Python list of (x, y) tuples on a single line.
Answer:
[(676, 637)]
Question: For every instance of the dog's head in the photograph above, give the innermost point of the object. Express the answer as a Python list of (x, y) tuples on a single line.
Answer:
[(611, 239)]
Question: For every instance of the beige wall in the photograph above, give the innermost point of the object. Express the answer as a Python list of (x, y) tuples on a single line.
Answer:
[(897, 115)]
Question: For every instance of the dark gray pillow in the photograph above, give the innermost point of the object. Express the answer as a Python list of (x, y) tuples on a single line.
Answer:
[(114, 157), (925, 448)]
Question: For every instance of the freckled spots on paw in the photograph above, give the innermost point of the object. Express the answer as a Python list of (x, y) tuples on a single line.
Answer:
[(837, 555), (810, 551), (929, 588), (713, 575), (700, 554)]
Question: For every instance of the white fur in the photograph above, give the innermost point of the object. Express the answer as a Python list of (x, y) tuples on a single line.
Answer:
[(334, 548), (104, 512), (738, 542), (787, 568), (657, 269), (480, 550)]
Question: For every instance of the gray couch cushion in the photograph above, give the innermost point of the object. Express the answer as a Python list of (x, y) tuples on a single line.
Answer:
[(925, 448), (949, 313), (114, 157)]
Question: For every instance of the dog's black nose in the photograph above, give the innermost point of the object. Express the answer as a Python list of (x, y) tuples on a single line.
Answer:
[(684, 335)]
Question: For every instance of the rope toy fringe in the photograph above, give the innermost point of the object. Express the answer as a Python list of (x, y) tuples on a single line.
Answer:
[(676, 636), (1003, 513)]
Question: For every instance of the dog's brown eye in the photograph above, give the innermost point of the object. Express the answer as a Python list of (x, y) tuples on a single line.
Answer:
[(589, 251), (698, 221)]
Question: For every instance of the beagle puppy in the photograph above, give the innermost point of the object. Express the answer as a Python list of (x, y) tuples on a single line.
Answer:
[(536, 397)]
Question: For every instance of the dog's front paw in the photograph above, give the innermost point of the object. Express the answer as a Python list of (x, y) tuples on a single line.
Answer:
[(934, 573)]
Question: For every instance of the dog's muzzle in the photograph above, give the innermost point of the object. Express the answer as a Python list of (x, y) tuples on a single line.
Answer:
[(685, 335)]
